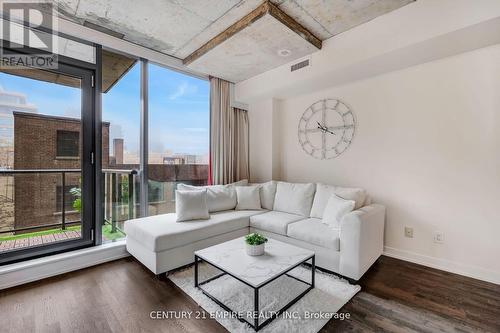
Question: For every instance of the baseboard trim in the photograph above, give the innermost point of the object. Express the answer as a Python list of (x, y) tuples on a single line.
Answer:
[(32, 270), (444, 265)]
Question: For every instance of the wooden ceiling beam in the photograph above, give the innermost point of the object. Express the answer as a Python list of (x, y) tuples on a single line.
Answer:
[(265, 8), (294, 25)]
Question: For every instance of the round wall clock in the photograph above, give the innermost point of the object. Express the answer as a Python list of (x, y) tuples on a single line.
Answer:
[(326, 128)]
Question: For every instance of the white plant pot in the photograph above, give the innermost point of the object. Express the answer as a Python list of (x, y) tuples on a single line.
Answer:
[(255, 250)]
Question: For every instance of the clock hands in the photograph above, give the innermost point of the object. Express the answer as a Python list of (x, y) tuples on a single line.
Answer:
[(324, 129)]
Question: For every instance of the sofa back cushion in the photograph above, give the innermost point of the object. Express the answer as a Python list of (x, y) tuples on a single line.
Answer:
[(267, 193), (324, 192), (219, 197), (243, 182), (294, 198), (248, 197)]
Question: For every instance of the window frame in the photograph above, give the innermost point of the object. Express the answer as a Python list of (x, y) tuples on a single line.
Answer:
[(87, 73)]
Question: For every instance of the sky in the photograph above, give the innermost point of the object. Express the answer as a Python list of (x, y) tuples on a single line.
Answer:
[(178, 108), (49, 98), (178, 111)]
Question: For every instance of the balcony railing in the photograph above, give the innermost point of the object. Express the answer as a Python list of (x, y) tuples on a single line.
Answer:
[(63, 224), (119, 189), (120, 195), (114, 193)]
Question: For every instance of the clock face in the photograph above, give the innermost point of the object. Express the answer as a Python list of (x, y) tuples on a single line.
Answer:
[(326, 129)]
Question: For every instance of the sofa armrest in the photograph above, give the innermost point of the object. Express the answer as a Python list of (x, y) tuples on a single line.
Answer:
[(361, 240)]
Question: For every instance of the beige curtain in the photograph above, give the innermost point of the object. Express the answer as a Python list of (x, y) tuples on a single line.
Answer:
[(240, 152), (228, 136)]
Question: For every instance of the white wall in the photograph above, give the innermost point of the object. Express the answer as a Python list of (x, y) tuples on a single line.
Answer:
[(265, 140), (427, 146), (261, 140)]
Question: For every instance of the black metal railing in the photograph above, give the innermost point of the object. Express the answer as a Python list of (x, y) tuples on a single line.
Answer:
[(113, 192), (119, 191), (63, 173)]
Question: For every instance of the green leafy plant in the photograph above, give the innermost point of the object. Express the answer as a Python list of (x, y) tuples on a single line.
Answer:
[(76, 192), (255, 239)]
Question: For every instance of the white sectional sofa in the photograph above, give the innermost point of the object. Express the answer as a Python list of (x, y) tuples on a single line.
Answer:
[(290, 213)]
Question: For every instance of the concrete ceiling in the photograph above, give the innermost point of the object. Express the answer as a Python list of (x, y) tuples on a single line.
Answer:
[(235, 59), (114, 67), (180, 27)]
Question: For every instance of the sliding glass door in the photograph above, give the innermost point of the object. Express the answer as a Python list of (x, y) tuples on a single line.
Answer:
[(46, 161)]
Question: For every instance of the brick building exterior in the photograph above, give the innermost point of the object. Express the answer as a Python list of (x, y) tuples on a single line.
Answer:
[(47, 142)]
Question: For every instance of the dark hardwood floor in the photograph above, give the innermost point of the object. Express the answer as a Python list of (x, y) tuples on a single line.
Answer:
[(118, 296), (398, 296)]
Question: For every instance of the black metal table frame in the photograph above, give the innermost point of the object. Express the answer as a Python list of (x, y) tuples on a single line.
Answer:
[(255, 325)]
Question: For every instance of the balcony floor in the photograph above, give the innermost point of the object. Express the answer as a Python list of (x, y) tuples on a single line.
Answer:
[(15, 244)]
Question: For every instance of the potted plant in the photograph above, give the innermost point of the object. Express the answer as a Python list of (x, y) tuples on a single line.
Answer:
[(77, 203), (255, 244)]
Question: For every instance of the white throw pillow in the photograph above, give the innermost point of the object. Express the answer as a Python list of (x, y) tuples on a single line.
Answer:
[(294, 198), (191, 205), (335, 209), (248, 197), (324, 192), (219, 197), (267, 194), (358, 195)]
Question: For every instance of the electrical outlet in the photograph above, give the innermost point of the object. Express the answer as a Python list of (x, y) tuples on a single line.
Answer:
[(408, 232), (438, 237)]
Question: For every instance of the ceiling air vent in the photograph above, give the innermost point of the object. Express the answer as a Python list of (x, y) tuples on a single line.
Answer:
[(299, 65)]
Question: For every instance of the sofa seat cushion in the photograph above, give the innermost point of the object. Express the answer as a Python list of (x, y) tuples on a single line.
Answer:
[(162, 232), (313, 231), (274, 221)]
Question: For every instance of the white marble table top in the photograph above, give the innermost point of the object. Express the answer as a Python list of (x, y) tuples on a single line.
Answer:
[(255, 270)]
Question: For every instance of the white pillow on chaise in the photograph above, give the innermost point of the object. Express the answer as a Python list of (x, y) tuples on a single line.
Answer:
[(191, 205), (248, 197), (335, 209), (219, 197), (324, 192)]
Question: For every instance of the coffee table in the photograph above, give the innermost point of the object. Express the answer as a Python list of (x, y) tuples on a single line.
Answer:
[(254, 271)]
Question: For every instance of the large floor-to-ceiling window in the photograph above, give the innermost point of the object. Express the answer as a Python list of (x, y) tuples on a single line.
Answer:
[(174, 138), (120, 158), (178, 135), (154, 130)]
